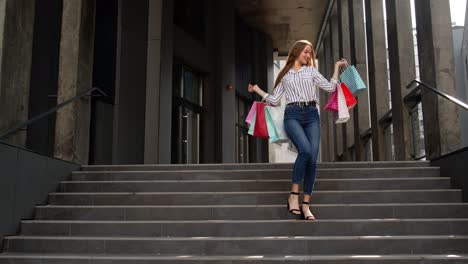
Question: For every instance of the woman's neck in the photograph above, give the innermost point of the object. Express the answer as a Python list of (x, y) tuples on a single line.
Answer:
[(297, 65)]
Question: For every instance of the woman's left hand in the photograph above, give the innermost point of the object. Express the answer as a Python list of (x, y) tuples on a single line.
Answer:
[(341, 63)]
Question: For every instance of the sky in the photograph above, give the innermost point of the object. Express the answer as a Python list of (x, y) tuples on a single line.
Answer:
[(457, 10)]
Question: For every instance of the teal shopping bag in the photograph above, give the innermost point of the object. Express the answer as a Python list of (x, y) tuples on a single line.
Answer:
[(273, 135), (353, 80), (252, 124)]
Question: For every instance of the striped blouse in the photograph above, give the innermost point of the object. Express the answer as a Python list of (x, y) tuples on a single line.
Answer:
[(300, 86)]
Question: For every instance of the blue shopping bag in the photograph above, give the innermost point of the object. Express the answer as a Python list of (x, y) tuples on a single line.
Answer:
[(353, 80)]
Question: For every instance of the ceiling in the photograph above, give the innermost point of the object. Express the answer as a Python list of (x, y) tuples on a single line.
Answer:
[(286, 21)]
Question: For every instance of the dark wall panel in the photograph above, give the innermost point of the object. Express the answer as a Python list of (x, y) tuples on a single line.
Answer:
[(44, 73), (454, 165), (104, 75), (25, 180), (129, 126)]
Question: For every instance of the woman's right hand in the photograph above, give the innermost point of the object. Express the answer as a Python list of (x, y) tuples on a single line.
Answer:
[(255, 88)]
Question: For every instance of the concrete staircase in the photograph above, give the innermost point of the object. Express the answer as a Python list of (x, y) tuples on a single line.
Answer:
[(396, 212)]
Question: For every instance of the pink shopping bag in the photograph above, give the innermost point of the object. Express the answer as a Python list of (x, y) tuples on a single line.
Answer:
[(332, 104), (251, 114)]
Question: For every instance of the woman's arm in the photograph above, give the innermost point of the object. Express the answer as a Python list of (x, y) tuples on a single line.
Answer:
[(274, 99), (323, 83)]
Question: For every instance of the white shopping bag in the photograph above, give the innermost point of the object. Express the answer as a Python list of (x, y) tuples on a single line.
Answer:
[(343, 114)]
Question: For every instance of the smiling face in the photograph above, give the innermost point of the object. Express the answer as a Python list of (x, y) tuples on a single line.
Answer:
[(305, 55), (302, 53)]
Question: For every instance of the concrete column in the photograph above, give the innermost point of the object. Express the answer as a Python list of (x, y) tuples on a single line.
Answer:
[(437, 68), (158, 111), (153, 82), (358, 59), (378, 79), (402, 71), (332, 48), (324, 61), (345, 52), (335, 49), (346, 9), (165, 82), (321, 61), (75, 76), (226, 65), (16, 41), (463, 84)]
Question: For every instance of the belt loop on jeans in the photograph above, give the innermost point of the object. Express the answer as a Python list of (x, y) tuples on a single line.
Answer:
[(312, 103)]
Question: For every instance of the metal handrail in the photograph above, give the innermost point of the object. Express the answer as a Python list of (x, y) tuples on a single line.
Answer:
[(52, 110), (414, 93)]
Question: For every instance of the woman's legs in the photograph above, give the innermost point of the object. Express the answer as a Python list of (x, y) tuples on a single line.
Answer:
[(303, 128), (312, 130), (298, 136), (293, 200)]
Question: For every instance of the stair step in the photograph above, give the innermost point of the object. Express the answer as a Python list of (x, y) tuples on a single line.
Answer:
[(330, 173), (241, 259), (271, 166), (368, 212), (250, 198), (383, 227), (251, 212), (253, 185), (240, 245)]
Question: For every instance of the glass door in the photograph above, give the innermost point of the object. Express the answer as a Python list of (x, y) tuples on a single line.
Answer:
[(188, 136), (243, 149), (187, 105)]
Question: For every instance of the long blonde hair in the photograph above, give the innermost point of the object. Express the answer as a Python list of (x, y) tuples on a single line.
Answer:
[(295, 51)]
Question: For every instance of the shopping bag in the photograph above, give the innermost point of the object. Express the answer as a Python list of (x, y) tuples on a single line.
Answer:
[(270, 126), (252, 125), (343, 114), (332, 104), (350, 99), (260, 129), (277, 116), (251, 113), (353, 80)]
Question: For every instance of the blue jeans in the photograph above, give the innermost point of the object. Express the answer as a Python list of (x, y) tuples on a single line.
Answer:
[(302, 123)]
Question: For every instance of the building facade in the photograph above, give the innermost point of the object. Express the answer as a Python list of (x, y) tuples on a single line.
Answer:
[(172, 76), (174, 73)]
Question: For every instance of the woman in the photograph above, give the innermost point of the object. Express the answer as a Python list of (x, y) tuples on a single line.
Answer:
[(298, 81)]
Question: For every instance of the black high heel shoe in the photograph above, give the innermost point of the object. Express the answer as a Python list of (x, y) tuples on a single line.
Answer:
[(309, 217), (292, 211)]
